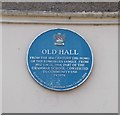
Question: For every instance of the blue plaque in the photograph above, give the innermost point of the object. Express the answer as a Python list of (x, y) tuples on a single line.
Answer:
[(59, 59)]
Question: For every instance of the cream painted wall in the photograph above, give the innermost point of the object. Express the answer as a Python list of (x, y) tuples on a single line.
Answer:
[(1, 67), (22, 94)]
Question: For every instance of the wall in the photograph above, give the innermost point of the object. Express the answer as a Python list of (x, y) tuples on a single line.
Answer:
[(22, 94)]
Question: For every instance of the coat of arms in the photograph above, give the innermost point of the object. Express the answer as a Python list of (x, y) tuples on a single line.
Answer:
[(59, 39)]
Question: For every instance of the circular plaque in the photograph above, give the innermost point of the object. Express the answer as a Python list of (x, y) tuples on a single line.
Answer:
[(59, 59)]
